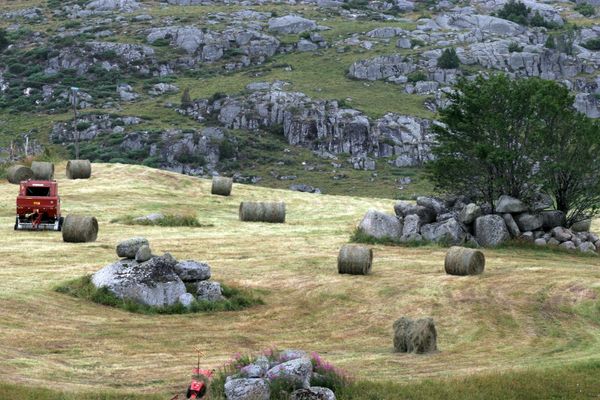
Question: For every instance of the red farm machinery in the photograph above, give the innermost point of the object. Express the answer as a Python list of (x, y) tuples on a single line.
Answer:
[(38, 206)]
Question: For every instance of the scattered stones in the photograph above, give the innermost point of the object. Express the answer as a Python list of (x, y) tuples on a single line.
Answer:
[(528, 222), (508, 204), (291, 24), (192, 271), (247, 389), (380, 225), (209, 291), (469, 213), (313, 393), (490, 230), (582, 226), (143, 254), (129, 248), (298, 371)]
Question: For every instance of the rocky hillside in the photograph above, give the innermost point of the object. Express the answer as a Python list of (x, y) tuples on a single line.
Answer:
[(329, 95)]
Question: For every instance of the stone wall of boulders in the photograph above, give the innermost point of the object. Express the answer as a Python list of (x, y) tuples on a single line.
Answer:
[(459, 221), (156, 281), (295, 367)]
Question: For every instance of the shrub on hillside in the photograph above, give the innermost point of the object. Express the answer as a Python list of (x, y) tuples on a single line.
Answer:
[(587, 10), (592, 44), (514, 11), (448, 59)]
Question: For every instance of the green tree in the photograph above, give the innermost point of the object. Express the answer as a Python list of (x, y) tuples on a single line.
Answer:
[(516, 137), (515, 11), (448, 59)]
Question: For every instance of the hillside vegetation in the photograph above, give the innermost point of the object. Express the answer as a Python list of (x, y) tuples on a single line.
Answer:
[(531, 310)]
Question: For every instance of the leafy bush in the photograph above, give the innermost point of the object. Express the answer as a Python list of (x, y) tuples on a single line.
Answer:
[(448, 59), (592, 44), (235, 299), (417, 76), (585, 9), (550, 42), (514, 47), (514, 11), (4, 42)]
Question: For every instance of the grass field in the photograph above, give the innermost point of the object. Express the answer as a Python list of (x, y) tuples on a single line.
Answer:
[(531, 309)]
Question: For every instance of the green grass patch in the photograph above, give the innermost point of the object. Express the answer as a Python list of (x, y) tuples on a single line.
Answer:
[(185, 220), (235, 299)]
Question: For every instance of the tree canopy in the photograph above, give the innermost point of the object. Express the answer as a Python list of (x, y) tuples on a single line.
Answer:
[(518, 137)]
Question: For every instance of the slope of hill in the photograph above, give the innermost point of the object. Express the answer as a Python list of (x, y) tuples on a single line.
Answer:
[(530, 309)]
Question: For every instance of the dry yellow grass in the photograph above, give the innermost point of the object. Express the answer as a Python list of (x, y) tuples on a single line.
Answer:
[(518, 313)]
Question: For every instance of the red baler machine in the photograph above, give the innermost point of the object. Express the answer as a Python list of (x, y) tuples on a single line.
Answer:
[(38, 206)]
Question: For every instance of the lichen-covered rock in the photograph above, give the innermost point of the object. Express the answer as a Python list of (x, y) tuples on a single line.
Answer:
[(512, 226), (469, 213), (569, 245), (508, 204), (448, 232), (490, 230), (552, 219), (292, 354), (247, 389), (153, 283), (562, 234), (128, 248), (412, 225), (528, 222), (186, 299), (404, 208), (291, 24), (313, 393), (432, 203), (192, 271), (587, 247), (209, 291), (582, 226), (143, 254), (380, 225), (297, 371)]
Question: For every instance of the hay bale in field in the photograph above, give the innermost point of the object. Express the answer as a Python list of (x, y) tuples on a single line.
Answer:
[(355, 259), (43, 171), (18, 173), (415, 336), (262, 212), (221, 186), (464, 261), (79, 169), (80, 229)]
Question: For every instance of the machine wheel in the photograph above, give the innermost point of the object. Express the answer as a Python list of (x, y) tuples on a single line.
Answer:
[(60, 223), (16, 223)]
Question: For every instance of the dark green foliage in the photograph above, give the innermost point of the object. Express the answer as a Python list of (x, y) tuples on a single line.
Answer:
[(514, 47), (235, 299), (3, 40), (514, 11), (550, 42), (592, 44), (186, 157), (226, 150), (448, 59), (587, 10), (417, 76), (355, 4), (495, 130)]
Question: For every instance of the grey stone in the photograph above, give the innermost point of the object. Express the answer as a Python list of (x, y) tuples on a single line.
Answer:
[(186, 299), (411, 238), (587, 247), (553, 242), (569, 245), (404, 208), (448, 232), (247, 389), (292, 354), (527, 237), (380, 225), (541, 202), (581, 226), (552, 219), (528, 222), (155, 217), (490, 230), (209, 291), (313, 393), (191, 271), (508, 204), (432, 203), (113, 5), (469, 213), (403, 43), (143, 254), (306, 45), (153, 282), (298, 371), (512, 226), (129, 248), (540, 242), (254, 370), (412, 225), (291, 24), (562, 234)]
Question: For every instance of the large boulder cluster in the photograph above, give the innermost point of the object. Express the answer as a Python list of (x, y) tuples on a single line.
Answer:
[(156, 281), (295, 367), (458, 221)]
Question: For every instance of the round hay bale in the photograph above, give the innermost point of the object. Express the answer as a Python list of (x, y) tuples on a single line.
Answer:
[(18, 173), (221, 185), (43, 171), (79, 229), (415, 336), (463, 261), (79, 169), (262, 212), (355, 259)]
